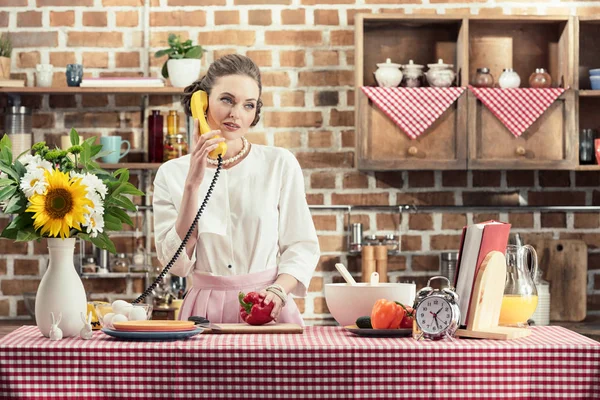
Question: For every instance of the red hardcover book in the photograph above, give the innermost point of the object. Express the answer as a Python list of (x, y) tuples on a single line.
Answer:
[(476, 242)]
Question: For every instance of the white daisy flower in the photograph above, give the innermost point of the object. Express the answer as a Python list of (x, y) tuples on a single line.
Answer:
[(26, 159), (93, 183), (98, 207), (33, 182), (95, 224), (35, 162)]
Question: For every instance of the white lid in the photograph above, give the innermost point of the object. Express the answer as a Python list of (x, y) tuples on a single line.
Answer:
[(412, 65), (440, 64), (388, 63)]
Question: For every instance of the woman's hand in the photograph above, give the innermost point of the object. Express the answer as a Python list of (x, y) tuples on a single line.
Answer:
[(269, 298), (204, 144)]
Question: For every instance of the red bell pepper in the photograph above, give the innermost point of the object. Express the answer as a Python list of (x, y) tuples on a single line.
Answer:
[(252, 309)]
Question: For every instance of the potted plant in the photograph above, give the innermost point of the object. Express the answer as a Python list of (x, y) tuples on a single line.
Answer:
[(183, 64), (5, 52)]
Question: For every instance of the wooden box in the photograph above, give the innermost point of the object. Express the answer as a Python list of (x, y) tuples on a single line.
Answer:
[(381, 144)]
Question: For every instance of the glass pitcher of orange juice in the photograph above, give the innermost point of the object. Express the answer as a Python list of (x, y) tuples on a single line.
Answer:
[(520, 294)]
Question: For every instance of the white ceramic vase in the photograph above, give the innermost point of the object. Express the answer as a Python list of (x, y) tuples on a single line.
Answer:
[(184, 72), (61, 291)]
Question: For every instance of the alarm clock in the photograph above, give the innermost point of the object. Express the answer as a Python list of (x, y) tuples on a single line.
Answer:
[(437, 314)]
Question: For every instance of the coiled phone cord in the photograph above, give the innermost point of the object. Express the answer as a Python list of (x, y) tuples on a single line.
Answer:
[(187, 235)]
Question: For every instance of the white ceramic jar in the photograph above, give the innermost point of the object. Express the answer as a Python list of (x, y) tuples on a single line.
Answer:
[(413, 74), (440, 74), (43, 75), (509, 79), (388, 74)]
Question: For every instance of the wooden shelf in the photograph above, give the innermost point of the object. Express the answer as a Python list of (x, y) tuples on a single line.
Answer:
[(114, 275), (589, 93), (87, 90), (587, 168), (150, 166)]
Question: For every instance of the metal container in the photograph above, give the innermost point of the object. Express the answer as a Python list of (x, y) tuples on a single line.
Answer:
[(17, 120), (356, 237), (448, 268)]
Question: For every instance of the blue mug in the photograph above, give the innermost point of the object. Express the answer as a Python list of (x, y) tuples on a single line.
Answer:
[(74, 74), (113, 145)]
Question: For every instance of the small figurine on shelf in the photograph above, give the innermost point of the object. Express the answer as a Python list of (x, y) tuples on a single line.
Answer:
[(509, 79), (540, 79)]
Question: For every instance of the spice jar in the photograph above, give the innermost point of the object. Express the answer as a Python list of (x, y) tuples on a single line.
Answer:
[(413, 73), (89, 267), (392, 244), (175, 147), (540, 79), (172, 123), (356, 238), (121, 264), (371, 240), (483, 78), (509, 79)]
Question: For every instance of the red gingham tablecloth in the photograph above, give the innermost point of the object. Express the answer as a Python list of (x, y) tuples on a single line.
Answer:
[(414, 110), (324, 362), (517, 108)]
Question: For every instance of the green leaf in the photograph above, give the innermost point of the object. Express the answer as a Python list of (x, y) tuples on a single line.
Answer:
[(173, 39), (123, 174), (103, 242), (112, 223), (176, 56), (131, 189), (164, 71), (5, 142), (74, 137), (20, 222), (194, 52), (122, 215), (161, 53), (7, 191), (122, 202), (95, 149), (9, 234), (6, 181), (16, 204), (19, 168), (27, 235)]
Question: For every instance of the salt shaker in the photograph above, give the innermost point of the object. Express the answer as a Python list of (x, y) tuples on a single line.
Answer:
[(509, 79)]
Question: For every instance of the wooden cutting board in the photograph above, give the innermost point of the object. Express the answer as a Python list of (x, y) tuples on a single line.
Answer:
[(564, 265), (245, 328)]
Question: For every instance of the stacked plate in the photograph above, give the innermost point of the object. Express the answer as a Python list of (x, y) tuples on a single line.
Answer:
[(153, 330)]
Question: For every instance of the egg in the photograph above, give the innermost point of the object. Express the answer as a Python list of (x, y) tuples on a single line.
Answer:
[(107, 319), (137, 314), (121, 307), (119, 318)]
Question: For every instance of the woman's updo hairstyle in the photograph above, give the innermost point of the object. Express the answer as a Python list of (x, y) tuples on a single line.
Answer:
[(231, 64)]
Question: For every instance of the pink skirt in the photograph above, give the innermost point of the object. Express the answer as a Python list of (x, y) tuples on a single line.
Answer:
[(216, 297)]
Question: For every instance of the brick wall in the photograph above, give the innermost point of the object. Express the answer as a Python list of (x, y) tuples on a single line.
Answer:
[(305, 51)]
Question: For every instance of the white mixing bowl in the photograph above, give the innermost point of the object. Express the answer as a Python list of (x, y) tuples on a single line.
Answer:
[(346, 303)]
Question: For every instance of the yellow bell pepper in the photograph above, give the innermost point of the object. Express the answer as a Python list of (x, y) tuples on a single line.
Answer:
[(387, 314)]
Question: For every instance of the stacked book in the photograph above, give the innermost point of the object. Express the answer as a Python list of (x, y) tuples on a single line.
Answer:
[(122, 82), (12, 83)]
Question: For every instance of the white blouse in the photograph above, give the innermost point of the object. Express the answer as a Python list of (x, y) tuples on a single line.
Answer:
[(257, 218)]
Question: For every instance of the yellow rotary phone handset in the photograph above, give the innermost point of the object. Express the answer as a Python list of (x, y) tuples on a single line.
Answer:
[(199, 105)]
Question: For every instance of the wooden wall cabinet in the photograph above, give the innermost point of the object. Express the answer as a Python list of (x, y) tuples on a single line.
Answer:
[(468, 135)]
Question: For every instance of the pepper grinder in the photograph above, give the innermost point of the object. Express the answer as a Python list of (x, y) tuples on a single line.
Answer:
[(368, 262), (381, 262)]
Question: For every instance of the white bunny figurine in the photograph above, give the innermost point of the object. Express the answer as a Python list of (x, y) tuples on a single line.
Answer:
[(86, 331), (55, 332)]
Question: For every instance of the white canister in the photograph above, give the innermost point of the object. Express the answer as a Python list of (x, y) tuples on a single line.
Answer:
[(44, 75), (388, 74), (440, 74), (509, 79), (413, 74)]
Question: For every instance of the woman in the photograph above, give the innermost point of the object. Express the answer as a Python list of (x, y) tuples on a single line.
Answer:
[(256, 232)]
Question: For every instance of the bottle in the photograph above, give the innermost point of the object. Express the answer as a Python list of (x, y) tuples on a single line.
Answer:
[(155, 137), (172, 123), (139, 257)]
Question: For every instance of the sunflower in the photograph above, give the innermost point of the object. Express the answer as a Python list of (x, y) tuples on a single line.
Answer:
[(61, 207)]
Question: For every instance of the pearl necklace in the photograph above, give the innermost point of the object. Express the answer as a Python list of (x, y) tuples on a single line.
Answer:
[(233, 159)]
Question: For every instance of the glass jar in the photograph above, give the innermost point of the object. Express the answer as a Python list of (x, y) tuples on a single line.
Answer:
[(371, 240), (586, 146), (540, 79), (483, 78), (172, 123), (89, 266), (121, 264), (509, 79), (175, 147), (392, 243)]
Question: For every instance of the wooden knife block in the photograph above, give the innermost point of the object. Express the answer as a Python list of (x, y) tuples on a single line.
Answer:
[(486, 301)]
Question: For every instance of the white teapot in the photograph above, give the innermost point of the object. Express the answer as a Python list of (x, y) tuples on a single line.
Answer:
[(440, 74), (388, 74)]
